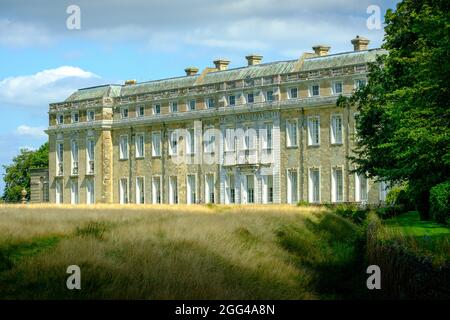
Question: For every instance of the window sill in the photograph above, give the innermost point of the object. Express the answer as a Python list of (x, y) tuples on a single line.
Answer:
[(313, 145), (291, 147), (156, 157), (123, 159), (337, 144), (140, 158)]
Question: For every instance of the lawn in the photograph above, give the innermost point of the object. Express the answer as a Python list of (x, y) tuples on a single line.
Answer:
[(180, 252)]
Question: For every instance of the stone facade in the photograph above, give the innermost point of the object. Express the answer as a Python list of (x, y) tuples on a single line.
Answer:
[(278, 136)]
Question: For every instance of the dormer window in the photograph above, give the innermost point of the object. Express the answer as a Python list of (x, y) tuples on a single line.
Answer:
[(337, 87), (157, 109), (293, 93), (140, 111), (250, 97), (90, 115), (210, 103), (232, 100), (269, 95), (174, 107), (75, 117), (314, 90), (124, 113)]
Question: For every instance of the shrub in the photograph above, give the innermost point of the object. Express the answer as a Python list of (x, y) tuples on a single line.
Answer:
[(351, 211), (440, 202), (390, 211), (302, 203)]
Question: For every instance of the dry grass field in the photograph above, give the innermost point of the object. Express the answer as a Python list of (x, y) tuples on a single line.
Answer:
[(177, 252)]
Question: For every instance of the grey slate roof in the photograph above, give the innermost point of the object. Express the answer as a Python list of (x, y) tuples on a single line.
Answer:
[(260, 70)]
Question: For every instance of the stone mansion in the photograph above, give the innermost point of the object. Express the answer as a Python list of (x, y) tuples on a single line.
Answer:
[(262, 133)]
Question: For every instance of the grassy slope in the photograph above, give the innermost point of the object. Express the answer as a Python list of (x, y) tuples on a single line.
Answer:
[(179, 252)]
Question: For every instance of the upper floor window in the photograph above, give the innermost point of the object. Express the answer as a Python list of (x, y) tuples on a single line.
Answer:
[(174, 106), (230, 139), (123, 147), (140, 111), (337, 87), (191, 142), (314, 90), (124, 113), (293, 93), (75, 117), (209, 141), (90, 115), (291, 133), (156, 144), (157, 109), (60, 119), (269, 95), (232, 100), (192, 105), (173, 143), (140, 145), (210, 103), (360, 83), (336, 129), (313, 131), (250, 97), (267, 137)]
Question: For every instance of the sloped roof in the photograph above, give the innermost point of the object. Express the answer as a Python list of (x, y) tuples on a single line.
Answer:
[(260, 70)]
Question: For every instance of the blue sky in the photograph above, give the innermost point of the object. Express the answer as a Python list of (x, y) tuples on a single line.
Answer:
[(42, 61)]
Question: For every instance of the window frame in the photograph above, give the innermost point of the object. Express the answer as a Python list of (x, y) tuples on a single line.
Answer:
[(122, 156), (289, 143), (310, 138), (137, 142)]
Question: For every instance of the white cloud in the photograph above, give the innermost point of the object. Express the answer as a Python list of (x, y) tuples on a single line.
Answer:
[(31, 132), (44, 87), (20, 34)]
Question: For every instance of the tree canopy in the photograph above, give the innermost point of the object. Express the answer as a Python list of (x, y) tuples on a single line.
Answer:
[(17, 174), (403, 125)]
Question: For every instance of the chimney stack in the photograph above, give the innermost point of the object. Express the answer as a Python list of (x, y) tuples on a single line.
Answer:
[(360, 43), (253, 59), (190, 71), (221, 64), (321, 50), (128, 82)]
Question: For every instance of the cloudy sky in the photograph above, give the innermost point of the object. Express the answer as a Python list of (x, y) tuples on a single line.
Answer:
[(42, 61)]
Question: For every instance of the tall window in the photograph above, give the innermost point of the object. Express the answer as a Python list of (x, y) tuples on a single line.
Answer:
[(250, 188), (156, 190), (140, 145), (173, 190), (123, 147), (140, 190), (174, 107), (156, 144), (190, 142), (75, 117), (336, 129), (60, 119), (267, 137), (59, 158), (292, 186), (157, 109), (267, 189), (232, 100), (210, 103), (291, 130), (269, 95), (74, 157), (314, 90), (209, 142), (140, 111), (384, 188), (90, 115), (360, 83), (58, 191), (123, 190), (361, 188), (124, 113), (250, 97), (337, 185), (337, 87), (173, 143), (191, 189), (230, 189), (314, 131), (230, 139), (74, 191), (192, 105), (314, 186), (90, 156), (90, 194), (209, 188)]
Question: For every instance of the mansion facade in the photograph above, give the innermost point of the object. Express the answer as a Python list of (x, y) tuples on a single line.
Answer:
[(263, 133)]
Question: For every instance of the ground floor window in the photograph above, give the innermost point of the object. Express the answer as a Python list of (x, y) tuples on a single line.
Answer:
[(123, 190), (231, 189), (292, 186), (191, 189), (361, 188), (90, 194), (140, 190), (314, 186), (209, 188), (58, 191), (74, 192), (337, 184), (156, 190), (250, 189), (173, 190), (267, 189)]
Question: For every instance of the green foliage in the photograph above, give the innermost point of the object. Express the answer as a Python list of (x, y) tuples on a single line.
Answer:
[(440, 202), (351, 211), (17, 174), (403, 125), (302, 203)]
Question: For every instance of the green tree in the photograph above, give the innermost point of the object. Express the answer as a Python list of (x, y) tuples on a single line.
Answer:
[(404, 117), (17, 174)]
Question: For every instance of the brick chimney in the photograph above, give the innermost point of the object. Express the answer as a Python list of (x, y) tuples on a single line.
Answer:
[(190, 71), (360, 43), (221, 64), (321, 50), (253, 59), (128, 82)]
